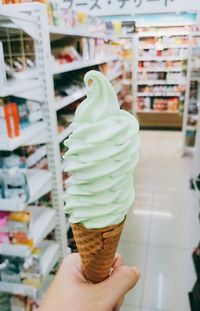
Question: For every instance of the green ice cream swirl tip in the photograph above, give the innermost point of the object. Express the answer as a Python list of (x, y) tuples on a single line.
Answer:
[(101, 158)]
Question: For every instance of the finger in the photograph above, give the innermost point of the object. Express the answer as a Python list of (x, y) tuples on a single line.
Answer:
[(118, 284), (118, 261), (72, 265)]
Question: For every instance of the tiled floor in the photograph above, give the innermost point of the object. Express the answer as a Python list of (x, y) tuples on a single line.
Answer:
[(162, 228)]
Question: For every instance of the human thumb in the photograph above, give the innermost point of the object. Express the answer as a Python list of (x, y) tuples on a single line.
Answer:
[(119, 283)]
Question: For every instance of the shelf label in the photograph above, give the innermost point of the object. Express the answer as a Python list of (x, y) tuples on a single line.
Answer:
[(120, 7)]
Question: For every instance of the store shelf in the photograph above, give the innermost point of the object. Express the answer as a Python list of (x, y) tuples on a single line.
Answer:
[(81, 64), (160, 119), (195, 79), (8, 14), (14, 250), (162, 33), (64, 134), (114, 75), (65, 101), (160, 69), (118, 89), (157, 111), (18, 289), (161, 58), (159, 94), (163, 47), (195, 34), (49, 256), (60, 30), (126, 82), (33, 131), (194, 116), (191, 128), (16, 86), (43, 222), (161, 82), (39, 182)]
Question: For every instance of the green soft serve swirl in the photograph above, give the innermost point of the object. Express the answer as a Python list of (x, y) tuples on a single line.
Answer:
[(101, 157)]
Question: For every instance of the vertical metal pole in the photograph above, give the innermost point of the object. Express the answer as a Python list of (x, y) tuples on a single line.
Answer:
[(187, 95), (196, 158), (135, 47), (44, 63), (2, 69)]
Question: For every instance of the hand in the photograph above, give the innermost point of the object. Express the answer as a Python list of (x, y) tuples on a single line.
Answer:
[(70, 291)]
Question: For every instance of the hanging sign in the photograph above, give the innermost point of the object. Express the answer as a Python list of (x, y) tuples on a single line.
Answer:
[(131, 7)]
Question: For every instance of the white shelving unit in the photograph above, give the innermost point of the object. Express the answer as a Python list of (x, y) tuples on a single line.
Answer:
[(16, 87), (33, 21), (39, 182), (60, 30), (82, 64), (49, 257), (188, 143), (159, 58), (160, 76), (27, 136), (161, 82), (160, 69)]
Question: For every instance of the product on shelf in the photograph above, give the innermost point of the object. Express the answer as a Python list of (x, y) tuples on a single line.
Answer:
[(74, 21), (64, 120), (164, 41), (101, 113), (83, 50), (16, 114), (67, 55), (181, 53), (20, 270), (21, 303), (9, 120), (25, 157), (177, 77), (110, 68), (158, 104), (190, 137), (192, 115), (196, 52), (161, 90), (66, 176), (19, 55)]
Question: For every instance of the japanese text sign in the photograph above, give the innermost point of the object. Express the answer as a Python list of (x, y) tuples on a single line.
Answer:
[(130, 7)]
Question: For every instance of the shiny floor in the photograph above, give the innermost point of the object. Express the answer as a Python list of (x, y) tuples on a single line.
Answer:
[(162, 228)]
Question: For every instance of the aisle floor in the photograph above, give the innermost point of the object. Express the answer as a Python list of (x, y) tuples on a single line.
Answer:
[(162, 228)]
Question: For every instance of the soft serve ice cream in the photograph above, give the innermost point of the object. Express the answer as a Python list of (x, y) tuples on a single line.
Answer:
[(101, 157)]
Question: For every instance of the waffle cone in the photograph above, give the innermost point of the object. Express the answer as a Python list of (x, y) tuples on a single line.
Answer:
[(97, 248)]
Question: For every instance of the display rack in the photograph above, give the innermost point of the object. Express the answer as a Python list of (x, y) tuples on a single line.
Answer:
[(161, 77), (35, 87), (192, 103)]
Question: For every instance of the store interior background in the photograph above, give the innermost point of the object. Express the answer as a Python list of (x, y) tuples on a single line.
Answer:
[(152, 58)]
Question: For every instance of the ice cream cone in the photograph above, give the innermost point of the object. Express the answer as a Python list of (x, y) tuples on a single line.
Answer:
[(97, 248)]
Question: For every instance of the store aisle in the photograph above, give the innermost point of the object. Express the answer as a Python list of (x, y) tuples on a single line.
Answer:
[(163, 228)]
